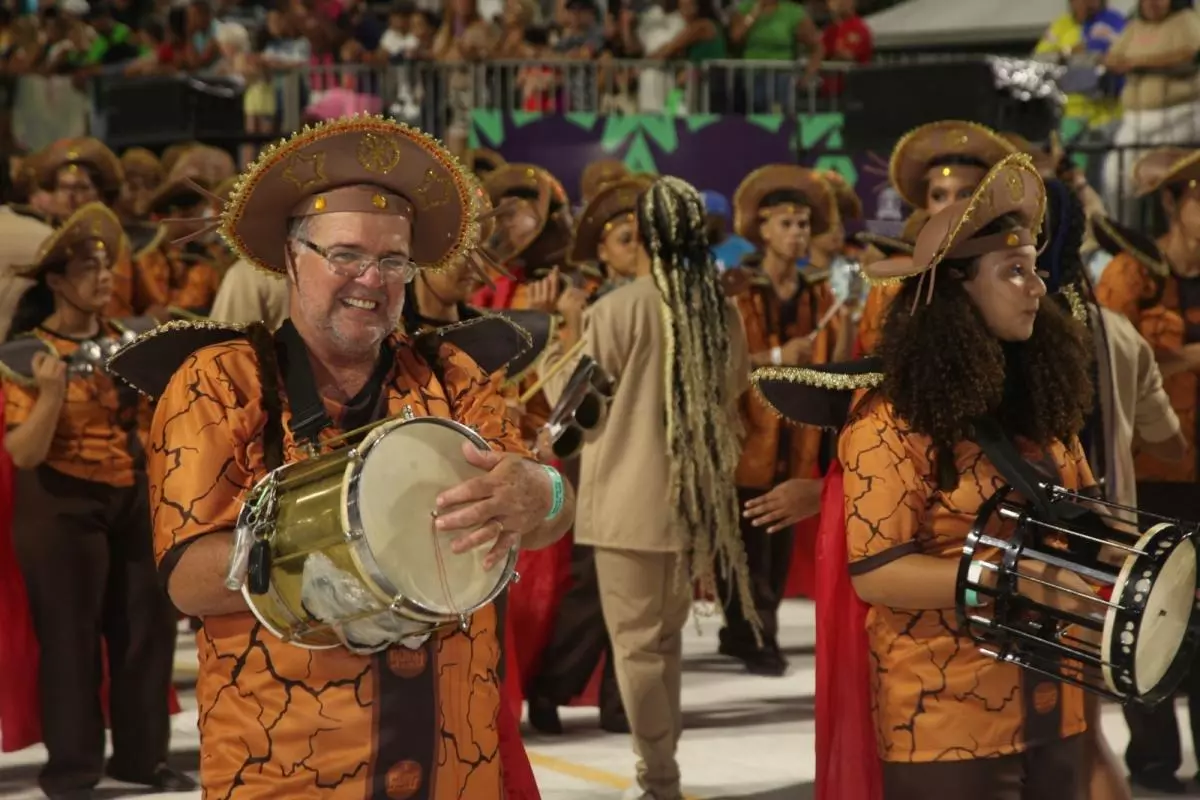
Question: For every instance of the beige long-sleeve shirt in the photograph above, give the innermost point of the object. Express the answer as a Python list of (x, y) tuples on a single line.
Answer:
[(624, 498), (1135, 405), (20, 238), (250, 295)]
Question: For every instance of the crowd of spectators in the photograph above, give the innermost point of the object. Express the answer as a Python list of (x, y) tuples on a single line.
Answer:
[(333, 45)]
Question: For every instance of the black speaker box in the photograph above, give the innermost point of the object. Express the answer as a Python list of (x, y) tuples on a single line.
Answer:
[(883, 102), (156, 111)]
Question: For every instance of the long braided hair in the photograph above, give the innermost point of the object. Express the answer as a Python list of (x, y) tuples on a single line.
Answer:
[(702, 423)]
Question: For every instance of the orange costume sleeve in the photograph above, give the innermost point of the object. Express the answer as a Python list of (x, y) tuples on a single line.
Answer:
[(870, 325), (138, 284), (885, 495)]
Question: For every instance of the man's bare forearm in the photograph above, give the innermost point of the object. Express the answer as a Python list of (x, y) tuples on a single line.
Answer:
[(197, 584)]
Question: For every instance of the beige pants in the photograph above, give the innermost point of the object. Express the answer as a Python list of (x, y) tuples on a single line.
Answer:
[(645, 609)]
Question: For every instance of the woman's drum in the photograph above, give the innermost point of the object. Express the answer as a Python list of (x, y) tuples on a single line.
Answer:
[(1131, 638), (341, 550)]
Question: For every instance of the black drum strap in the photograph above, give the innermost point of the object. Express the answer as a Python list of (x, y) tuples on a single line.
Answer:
[(1012, 466), (309, 417), (263, 344)]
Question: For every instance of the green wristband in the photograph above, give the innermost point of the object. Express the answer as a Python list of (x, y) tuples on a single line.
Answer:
[(559, 493), (970, 595)]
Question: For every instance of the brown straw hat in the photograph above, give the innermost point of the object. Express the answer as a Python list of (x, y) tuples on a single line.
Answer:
[(364, 164), (909, 166), (764, 181)]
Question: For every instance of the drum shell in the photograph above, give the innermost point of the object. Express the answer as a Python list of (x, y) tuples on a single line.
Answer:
[(314, 513)]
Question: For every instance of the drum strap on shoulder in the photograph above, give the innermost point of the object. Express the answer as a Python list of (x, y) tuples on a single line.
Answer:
[(309, 417), (998, 446)]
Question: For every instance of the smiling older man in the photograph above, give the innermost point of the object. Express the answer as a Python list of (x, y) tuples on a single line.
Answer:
[(348, 212)]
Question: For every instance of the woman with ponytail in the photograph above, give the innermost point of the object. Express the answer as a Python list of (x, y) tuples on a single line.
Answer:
[(657, 497)]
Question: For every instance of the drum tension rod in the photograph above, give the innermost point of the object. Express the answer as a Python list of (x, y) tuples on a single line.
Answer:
[(1016, 516)]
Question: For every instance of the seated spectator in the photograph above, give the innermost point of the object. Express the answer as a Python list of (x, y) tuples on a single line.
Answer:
[(1157, 53)]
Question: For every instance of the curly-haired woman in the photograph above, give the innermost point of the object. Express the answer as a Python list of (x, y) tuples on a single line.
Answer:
[(967, 339)]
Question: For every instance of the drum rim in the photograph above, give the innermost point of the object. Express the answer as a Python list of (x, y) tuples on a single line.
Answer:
[(360, 548), (1115, 622)]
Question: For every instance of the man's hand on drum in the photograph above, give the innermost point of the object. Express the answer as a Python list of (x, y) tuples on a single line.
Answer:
[(504, 507)]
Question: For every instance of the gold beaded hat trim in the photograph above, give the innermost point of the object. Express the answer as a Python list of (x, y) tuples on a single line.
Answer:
[(396, 161)]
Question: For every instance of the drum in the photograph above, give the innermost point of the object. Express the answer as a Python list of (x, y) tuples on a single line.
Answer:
[(1131, 638), (340, 550)]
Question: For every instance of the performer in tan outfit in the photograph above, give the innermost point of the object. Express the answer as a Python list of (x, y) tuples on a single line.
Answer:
[(676, 350)]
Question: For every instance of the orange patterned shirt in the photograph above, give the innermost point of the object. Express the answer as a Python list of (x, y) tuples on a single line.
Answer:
[(762, 464), (101, 425), (186, 285), (134, 289), (936, 697), (1128, 288), (278, 721), (870, 325)]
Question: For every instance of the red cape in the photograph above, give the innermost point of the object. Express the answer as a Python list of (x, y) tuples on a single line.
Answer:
[(848, 765)]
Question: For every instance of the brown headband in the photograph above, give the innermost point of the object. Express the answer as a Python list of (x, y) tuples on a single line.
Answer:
[(1018, 237), (356, 199)]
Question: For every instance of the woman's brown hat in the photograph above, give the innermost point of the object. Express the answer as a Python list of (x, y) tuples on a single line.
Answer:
[(747, 200), (1163, 167), (1011, 187), (139, 159), (79, 152), (615, 200), (201, 166), (518, 226), (597, 174), (363, 164), (909, 165), (93, 226)]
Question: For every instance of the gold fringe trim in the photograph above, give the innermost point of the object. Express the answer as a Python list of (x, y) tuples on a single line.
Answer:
[(818, 379), (1075, 302)]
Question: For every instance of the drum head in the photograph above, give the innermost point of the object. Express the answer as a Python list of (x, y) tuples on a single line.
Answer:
[(1167, 594), (404, 471), (1168, 609)]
